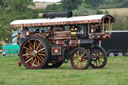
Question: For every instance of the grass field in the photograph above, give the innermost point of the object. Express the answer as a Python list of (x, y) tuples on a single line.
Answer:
[(114, 73)]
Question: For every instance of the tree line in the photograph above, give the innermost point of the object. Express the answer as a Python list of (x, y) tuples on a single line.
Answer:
[(11, 10), (18, 9), (74, 4)]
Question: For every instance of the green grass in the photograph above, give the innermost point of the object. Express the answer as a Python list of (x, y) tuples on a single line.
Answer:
[(114, 73)]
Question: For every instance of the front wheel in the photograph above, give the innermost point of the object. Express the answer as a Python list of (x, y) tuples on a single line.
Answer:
[(98, 57), (80, 58)]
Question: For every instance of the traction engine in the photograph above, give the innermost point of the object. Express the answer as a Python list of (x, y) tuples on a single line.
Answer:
[(71, 38)]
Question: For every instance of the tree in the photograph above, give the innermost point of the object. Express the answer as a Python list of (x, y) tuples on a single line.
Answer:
[(1, 3), (53, 7), (94, 3), (125, 3), (12, 10), (17, 4), (71, 4)]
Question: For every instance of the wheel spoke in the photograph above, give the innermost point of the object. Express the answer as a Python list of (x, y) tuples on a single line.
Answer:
[(99, 62), (30, 44), (81, 65), (78, 53), (100, 53), (41, 49), (84, 58), (41, 54), (29, 60), (82, 55), (33, 64), (77, 63), (28, 48), (92, 62), (38, 46), (28, 57), (26, 54), (34, 44), (96, 63), (41, 59)]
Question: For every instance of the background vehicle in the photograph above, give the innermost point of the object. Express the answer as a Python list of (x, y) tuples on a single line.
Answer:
[(11, 48), (73, 38), (117, 45)]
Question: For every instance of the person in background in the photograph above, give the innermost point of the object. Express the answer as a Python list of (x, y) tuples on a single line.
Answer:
[(23, 34)]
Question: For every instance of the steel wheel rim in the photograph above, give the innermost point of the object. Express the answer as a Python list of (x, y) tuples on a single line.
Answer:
[(79, 59), (33, 53)]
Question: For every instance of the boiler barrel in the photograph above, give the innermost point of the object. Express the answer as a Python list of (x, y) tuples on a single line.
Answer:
[(57, 14)]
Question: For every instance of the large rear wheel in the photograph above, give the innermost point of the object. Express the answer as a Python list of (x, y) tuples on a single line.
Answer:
[(34, 52), (98, 57), (80, 58)]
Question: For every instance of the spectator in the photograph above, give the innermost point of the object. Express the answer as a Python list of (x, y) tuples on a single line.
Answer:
[(23, 34)]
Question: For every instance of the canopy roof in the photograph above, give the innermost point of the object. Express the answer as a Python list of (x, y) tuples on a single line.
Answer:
[(62, 21)]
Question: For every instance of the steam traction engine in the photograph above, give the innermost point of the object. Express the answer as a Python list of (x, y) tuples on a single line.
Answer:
[(74, 38)]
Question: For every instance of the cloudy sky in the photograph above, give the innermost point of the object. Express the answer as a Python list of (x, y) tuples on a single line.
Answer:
[(47, 0)]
